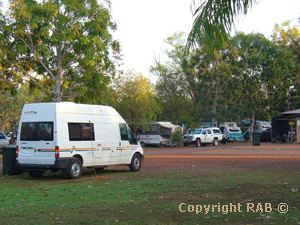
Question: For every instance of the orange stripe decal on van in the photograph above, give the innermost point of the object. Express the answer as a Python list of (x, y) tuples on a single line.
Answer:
[(71, 150)]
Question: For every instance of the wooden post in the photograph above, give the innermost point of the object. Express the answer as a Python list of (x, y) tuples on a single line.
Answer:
[(298, 130)]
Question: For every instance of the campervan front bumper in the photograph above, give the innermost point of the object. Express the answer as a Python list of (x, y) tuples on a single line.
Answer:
[(60, 164)]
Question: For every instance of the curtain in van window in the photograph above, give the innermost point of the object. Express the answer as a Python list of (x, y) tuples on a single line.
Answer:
[(28, 132), (87, 132), (81, 132), (74, 132), (45, 131), (36, 131)]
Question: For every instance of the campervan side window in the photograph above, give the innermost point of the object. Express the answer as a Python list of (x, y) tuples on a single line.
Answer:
[(81, 132), (123, 132), (36, 131), (154, 128), (126, 134), (165, 131)]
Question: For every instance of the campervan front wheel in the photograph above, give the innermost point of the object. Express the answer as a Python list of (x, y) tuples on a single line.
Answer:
[(74, 169), (136, 163)]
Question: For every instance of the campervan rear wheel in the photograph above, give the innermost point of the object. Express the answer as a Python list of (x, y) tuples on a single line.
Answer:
[(74, 169), (136, 163)]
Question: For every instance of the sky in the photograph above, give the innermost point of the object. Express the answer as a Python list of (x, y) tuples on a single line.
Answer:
[(143, 26)]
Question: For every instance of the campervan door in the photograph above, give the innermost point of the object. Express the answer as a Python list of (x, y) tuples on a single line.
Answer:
[(37, 137)]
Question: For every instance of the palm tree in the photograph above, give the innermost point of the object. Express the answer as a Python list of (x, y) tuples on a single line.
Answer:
[(214, 19)]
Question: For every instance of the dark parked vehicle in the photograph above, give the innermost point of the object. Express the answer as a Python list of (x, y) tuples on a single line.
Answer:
[(266, 135)]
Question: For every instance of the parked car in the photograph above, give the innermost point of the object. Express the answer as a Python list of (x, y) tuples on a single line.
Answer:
[(4, 140), (160, 134), (8, 134), (232, 131), (203, 136), (265, 136)]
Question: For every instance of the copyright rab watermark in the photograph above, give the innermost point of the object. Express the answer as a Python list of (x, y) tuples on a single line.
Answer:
[(225, 209)]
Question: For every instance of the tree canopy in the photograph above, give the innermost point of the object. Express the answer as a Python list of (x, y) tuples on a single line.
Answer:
[(213, 21), (63, 47), (249, 77), (135, 99)]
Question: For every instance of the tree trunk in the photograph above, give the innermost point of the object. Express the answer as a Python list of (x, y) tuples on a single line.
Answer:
[(57, 97), (252, 127), (214, 112)]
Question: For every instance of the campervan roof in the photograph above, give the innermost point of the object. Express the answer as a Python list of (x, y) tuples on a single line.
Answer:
[(229, 124), (265, 124), (71, 107), (165, 124)]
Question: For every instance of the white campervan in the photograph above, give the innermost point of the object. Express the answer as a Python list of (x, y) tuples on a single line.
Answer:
[(68, 136), (232, 131), (160, 134)]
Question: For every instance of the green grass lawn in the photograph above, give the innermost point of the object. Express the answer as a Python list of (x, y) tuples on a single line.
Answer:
[(139, 198)]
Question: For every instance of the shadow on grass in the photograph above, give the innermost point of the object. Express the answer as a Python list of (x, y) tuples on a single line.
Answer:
[(86, 174)]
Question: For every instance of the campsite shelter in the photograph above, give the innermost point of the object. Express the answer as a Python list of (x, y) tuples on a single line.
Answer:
[(284, 123)]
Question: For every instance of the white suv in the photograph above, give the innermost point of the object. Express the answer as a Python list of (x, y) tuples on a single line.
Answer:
[(203, 136)]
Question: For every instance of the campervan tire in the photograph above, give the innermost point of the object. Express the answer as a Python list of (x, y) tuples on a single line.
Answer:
[(36, 173), (216, 142), (136, 163), (74, 169)]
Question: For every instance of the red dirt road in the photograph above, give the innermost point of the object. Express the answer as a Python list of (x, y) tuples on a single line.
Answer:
[(233, 155)]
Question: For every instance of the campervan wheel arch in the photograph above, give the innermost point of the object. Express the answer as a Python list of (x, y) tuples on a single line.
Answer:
[(79, 157)]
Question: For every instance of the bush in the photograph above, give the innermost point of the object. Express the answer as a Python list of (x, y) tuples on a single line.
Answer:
[(176, 138)]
